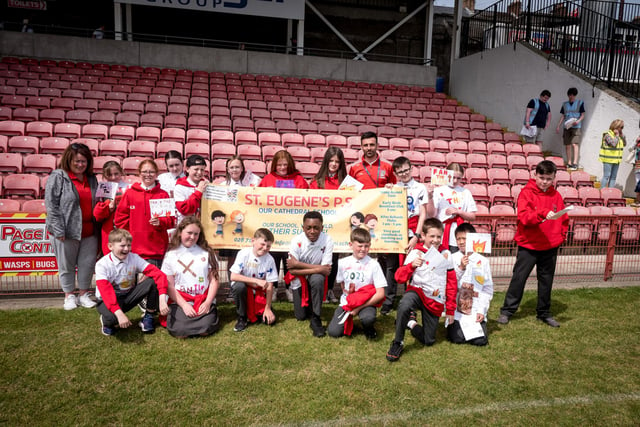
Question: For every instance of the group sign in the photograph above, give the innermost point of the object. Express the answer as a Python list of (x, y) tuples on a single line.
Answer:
[(25, 245), (230, 216)]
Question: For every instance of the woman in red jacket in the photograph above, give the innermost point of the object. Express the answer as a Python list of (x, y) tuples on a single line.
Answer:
[(150, 238), (283, 175)]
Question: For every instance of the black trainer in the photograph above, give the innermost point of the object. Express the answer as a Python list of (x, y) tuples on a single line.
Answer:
[(385, 310), (550, 321), (241, 325), (370, 333), (317, 328), (395, 351)]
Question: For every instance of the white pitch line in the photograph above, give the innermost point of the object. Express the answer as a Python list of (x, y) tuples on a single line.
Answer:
[(489, 407)]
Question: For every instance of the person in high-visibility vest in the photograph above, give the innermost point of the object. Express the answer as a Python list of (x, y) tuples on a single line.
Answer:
[(613, 143)]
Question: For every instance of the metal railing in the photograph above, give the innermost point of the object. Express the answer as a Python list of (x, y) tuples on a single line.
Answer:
[(214, 43), (593, 42)]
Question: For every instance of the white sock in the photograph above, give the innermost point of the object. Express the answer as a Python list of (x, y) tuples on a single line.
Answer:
[(411, 324)]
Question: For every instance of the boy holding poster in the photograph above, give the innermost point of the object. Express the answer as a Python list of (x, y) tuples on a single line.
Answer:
[(475, 289), (432, 290), (309, 264), (416, 214), (452, 204), (362, 283), (253, 279)]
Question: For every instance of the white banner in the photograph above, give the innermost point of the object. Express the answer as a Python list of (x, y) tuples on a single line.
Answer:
[(287, 9)]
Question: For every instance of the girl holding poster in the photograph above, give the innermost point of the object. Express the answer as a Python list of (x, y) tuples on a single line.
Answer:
[(167, 180), (105, 210), (452, 204), (150, 238), (283, 175)]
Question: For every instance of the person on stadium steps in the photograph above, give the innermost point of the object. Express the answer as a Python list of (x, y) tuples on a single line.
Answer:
[(539, 115), (571, 117), (611, 149)]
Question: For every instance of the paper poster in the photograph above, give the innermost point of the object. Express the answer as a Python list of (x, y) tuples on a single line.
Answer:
[(107, 190), (351, 184), (470, 328), (559, 214), (221, 193), (441, 176), (479, 243), (162, 208)]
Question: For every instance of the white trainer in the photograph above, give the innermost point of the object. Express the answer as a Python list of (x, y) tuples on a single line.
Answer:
[(86, 301), (70, 302)]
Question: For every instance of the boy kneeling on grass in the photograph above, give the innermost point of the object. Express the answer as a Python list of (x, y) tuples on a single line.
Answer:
[(309, 264), (117, 290), (253, 275), (363, 283), (475, 292), (433, 287)]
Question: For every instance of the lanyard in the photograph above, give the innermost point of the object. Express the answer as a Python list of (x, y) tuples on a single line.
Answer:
[(377, 180)]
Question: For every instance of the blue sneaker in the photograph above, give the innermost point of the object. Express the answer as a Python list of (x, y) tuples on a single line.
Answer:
[(105, 329), (146, 324)]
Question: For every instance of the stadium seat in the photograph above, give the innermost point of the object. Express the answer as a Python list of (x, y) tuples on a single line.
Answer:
[(39, 163), (500, 194), (21, 186), (515, 161), (130, 165), (519, 176), (339, 141), (435, 159), (476, 175), (198, 135), (141, 148), (197, 148), (315, 140), (269, 138), (173, 134), (12, 128), (331, 129), (307, 169), (246, 137), (107, 118), (256, 166), (496, 148), (602, 226), (531, 149), (498, 176), (459, 158), (569, 195), (612, 197), (475, 160), (458, 146), (590, 197), (292, 138), (3, 143), (145, 133), (513, 148), (123, 132), (478, 147), (558, 161), (23, 144), (305, 127), (175, 121), (10, 206), (128, 119), (90, 131), (630, 224), (350, 155), (419, 144), (113, 147), (390, 155), (581, 225), (10, 163), (562, 178), (439, 146), (416, 158), (581, 179), (299, 153), (165, 146), (249, 152), (81, 117), (505, 226), (268, 151), (479, 193), (532, 159)]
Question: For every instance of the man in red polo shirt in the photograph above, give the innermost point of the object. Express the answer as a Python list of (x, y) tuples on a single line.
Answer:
[(373, 172)]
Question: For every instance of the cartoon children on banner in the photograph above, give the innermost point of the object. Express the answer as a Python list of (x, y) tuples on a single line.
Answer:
[(371, 221), (238, 217), (218, 217), (357, 220)]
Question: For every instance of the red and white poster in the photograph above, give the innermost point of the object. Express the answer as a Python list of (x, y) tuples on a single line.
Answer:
[(25, 246)]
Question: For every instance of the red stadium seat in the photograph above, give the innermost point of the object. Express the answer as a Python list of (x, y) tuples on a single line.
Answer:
[(90, 131), (419, 144), (630, 224), (612, 197), (130, 165), (23, 144), (562, 178), (222, 150), (475, 160), (249, 152), (476, 175), (269, 138), (505, 227), (141, 148), (196, 148), (10, 206), (435, 159), (515, 161), (10, 163), (198, 135), (39, 163), (439, 146), (289, 139), (581, 225), (21, 186), (113, 147), (519, 176), (39, 129), (459, 158), (315, 140), (122, 132), (307, 169), (569, 195), (173, 135), (500, 194), (479, 193), (581, 179)]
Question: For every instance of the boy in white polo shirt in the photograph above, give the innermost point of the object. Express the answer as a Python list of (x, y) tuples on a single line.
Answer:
[(253, 275), (117, 290), (309, 264), (363, 283)]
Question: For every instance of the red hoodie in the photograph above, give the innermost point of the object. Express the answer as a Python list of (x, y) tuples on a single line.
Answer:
[(103, 215), (329, 183), (191, 205), (295, 180), (133, 214), (534, 231)]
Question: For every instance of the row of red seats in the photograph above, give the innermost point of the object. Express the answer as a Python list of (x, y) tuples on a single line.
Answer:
[(75, 130)]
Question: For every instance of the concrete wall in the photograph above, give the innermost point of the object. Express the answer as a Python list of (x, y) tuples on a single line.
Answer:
[(210, 59), (499, 83)]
